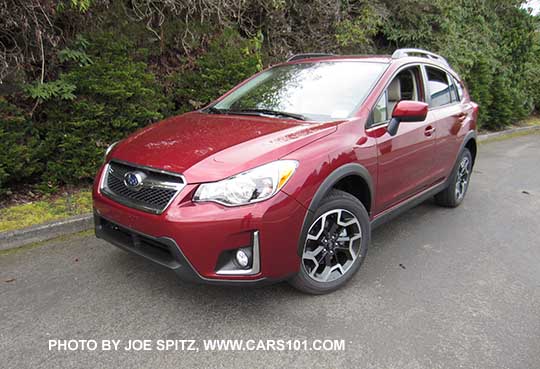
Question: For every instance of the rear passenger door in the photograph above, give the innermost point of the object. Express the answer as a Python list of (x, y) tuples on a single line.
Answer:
[(445, 93)]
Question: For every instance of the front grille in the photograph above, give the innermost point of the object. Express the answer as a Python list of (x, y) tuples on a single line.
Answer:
[(154, 193)]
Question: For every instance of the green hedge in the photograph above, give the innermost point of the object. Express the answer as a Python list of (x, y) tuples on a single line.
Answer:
[(115, 95), (17, 164), (65, 142), (228, 60)]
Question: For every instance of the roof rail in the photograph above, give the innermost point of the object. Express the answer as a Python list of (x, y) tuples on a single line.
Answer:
[(401, 53), (307, 56)]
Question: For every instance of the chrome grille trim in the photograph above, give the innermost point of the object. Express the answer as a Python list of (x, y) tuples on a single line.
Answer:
[(155, 194)]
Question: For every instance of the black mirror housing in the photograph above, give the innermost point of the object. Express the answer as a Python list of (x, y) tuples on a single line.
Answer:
[(393, 126)]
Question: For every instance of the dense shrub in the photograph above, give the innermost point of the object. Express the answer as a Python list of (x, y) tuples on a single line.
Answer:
[(532, 69), (114, 95), (16, 164), (228, 60)]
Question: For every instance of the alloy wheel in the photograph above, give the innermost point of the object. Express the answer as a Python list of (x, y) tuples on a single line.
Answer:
[(332, 245), (462, 178)]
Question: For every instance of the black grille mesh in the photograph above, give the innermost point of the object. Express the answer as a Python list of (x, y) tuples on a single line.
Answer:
[(154, 199)]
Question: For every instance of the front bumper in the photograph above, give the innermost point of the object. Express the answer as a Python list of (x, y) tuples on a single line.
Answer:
[(161, 250), (190, 237)]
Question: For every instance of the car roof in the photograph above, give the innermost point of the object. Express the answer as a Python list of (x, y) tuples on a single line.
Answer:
[(329, 58), (386, 59)]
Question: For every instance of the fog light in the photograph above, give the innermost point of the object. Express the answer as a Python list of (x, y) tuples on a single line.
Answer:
[(242, 258)]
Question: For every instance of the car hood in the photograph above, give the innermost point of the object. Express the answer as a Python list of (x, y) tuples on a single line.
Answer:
[(207, 147)]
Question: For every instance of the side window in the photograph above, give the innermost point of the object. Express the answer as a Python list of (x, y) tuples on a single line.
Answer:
[(459, 88), (407, 85), (453, 90), (380, 113), (439, 88)]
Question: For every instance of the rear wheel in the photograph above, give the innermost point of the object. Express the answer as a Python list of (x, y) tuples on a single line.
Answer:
[(335, 244), (454, 194)]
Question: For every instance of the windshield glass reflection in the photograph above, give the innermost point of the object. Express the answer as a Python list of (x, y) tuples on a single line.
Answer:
[(320, 91)]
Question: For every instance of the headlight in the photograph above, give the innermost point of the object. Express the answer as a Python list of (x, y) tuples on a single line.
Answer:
[(109, 149), (254, 185)]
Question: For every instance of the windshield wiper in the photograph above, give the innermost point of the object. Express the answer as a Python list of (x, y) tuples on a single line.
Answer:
[(267, 112), (214, 110)]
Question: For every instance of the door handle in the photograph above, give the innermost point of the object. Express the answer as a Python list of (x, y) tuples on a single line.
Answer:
[(461, 116), (429, 130)]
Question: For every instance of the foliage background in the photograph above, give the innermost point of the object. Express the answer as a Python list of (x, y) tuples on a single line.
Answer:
[(77, 75)]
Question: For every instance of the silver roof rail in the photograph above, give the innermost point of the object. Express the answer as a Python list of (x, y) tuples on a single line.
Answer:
[(401, 53), (307, 56)]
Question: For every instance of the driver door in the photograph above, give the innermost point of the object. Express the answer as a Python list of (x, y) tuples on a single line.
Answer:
[(406, 160)]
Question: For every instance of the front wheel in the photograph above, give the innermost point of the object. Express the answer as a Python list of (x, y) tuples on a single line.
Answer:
[(334, 245), (454, 194)]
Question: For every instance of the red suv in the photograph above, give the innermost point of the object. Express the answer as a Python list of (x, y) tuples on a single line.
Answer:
[(285, 176)]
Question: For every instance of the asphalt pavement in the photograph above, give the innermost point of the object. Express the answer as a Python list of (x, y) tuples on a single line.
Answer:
[(440, 288)]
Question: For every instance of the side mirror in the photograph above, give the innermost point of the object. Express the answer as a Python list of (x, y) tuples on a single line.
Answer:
[(407, 111)]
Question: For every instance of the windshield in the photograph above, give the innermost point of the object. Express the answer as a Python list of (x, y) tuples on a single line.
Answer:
[(320, 91)]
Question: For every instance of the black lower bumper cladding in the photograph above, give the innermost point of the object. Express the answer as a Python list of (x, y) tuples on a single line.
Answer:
[(162, 250)]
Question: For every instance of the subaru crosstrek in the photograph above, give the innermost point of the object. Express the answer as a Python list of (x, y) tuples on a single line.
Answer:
[(285, 176)]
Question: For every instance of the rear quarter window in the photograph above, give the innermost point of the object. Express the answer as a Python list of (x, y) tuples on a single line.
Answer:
[(459, 88)]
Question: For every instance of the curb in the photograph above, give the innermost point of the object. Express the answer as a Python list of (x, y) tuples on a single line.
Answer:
[(44, 232), (487, 136), (47, 231)]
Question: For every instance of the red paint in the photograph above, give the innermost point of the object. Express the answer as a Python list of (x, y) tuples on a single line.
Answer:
[(410, 111), (208, 147)]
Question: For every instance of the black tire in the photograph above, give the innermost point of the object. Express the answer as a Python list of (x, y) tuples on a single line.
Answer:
[(451, 197), (344, 207)]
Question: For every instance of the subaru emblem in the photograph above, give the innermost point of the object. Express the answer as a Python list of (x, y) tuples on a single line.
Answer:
[(134, 180)]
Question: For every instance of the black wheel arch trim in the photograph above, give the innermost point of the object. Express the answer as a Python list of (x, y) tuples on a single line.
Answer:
[(471, 135), (351, 169)]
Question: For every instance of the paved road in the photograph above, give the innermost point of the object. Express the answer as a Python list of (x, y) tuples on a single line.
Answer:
[(467, 293)]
